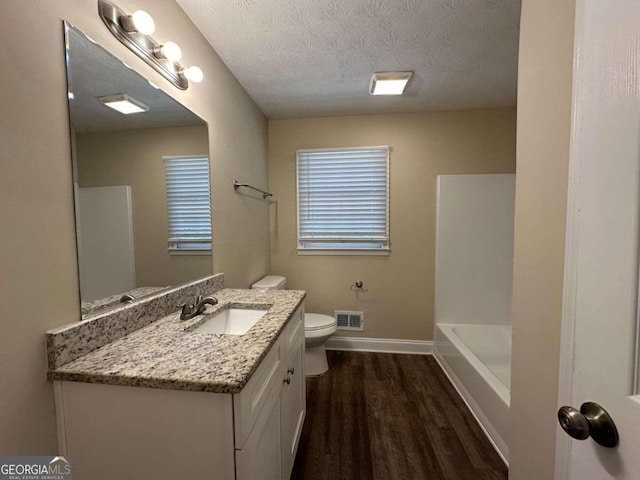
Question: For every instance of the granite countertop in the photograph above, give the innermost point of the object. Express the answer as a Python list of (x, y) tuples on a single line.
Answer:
[(167, 354)]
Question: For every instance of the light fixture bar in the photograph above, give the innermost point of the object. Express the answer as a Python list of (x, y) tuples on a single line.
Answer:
[(123, 103), (389, 83), (131, 33)]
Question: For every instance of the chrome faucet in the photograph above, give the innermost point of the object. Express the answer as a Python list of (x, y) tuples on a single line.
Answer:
[(191, 310), (127, 298)]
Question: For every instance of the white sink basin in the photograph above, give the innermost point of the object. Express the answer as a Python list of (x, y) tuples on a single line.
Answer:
[(231, 321)]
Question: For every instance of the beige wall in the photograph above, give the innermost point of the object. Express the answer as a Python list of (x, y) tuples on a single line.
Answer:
[(544, 116), (399, 303), (134, 158), (39, 285)]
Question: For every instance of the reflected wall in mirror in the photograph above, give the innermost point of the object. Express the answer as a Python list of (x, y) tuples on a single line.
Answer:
[(119, 179)]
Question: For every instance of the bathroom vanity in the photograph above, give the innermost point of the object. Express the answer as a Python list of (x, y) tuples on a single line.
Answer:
[(166, 401)]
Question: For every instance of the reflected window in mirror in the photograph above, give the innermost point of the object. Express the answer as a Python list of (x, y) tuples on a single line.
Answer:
[(119, 179), (188, 204)]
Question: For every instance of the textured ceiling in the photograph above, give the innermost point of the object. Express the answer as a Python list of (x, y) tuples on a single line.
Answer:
[(299, 58)]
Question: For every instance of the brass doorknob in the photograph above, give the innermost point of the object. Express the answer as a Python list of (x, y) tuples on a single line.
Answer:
[(591, 421)]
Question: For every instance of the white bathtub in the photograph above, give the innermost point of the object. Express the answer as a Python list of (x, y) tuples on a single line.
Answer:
[(477, 360)]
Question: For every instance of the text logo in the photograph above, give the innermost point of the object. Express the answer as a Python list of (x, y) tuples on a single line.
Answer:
[(35, 468)]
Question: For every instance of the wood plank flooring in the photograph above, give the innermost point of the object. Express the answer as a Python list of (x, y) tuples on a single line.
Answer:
[(390, 417)]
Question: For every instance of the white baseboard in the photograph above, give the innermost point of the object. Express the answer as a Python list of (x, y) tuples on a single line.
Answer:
[(382, 345)]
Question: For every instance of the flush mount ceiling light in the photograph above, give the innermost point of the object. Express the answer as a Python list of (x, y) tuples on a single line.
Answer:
[(134, 31), (389, 83), (123, 103)]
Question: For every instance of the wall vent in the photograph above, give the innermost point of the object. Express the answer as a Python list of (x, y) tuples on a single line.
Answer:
[(347, 320)]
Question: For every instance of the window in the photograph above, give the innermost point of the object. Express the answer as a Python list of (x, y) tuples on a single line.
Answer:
[(343, 201), (188, 204)]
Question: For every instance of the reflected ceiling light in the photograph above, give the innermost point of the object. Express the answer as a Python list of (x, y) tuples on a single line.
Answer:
[(169, 50), (389, 83), (134, 31), (193, 73), (139, 21), (123, 103)]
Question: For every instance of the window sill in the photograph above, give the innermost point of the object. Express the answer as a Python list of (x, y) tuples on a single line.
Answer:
[(202, 253), (347, 251)]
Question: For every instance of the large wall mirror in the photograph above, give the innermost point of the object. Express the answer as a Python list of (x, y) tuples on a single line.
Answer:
[(119, 178)]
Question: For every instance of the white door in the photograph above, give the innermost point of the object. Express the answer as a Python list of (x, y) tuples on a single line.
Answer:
[(599, 341)]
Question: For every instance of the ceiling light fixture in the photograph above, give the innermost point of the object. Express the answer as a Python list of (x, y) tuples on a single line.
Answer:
[(123, 103), (389, 83), (134, 31)]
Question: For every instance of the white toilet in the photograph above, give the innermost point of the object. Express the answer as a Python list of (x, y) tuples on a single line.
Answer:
[(317, 330)]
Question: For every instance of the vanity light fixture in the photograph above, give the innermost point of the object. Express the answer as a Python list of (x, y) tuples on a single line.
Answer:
[(123, 103), (134, 31), (389, 83)]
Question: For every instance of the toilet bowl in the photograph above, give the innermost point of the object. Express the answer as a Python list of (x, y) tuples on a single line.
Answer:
[(317, 330)]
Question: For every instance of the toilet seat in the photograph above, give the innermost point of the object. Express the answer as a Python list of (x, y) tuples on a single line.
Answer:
[(318, 321)]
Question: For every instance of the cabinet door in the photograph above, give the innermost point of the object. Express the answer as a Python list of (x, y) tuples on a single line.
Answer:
[(292, 407), (254, 397), (260, 459), (117, 432)]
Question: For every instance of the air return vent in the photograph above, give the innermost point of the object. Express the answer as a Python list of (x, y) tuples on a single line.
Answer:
[(349, 320)]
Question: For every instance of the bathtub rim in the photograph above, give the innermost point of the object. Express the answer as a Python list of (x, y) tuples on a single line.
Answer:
[(494, 382)]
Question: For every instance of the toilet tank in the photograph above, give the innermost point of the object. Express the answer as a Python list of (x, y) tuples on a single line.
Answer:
[(270, 282)]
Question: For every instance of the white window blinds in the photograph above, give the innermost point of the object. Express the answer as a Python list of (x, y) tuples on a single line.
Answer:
[(188, 202), (343, 199)]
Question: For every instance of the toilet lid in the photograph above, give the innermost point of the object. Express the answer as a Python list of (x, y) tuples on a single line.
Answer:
[(317, 321)]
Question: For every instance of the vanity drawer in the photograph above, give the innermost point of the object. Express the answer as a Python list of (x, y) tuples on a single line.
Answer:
[(263, 385)]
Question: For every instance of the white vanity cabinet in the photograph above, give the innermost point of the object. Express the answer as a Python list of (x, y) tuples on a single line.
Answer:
[(292, 395), (270, 411), (113, 431)]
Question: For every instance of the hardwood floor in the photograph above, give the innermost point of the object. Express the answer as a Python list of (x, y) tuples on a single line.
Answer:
[(390, 417)]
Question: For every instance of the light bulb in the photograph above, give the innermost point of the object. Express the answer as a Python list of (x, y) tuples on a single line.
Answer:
[(193, 73), (140, 21), (143, 22), (169, 50)]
